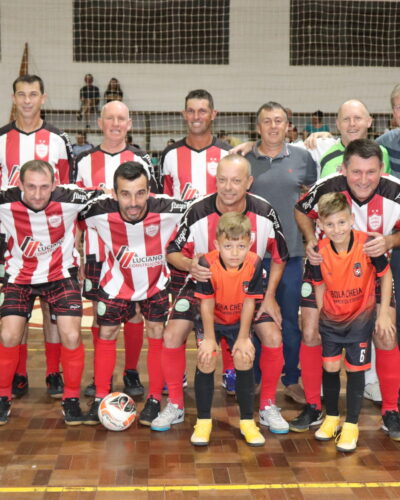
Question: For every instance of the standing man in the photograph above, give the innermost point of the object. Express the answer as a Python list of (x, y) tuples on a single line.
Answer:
[(39, 220), (375, 203), (280, 171), (135, 228), (196, 236), (29, 137), (89, 96), (96, 168), (188, 169)]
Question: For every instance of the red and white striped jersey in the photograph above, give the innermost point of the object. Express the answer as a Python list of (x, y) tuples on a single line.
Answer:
[(41, 244), (135, 267), (198, 228), (95, 169), (47, 143), (189, 173), (380, 213)]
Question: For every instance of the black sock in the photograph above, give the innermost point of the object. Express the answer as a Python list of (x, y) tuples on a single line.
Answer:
[(204, 390), (245, 393), (354, 396), (331, 386)]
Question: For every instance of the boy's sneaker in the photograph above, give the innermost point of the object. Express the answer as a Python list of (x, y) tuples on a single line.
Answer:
[(170, 415), (229, 382), (92, 416), (308, 417), (184, 385), (20, 385), (329, 428), (132, 385), (5, 409), (271, 417), (150, 411), (72, 411), (202, 432), (391, 424), (373, 392), (55, 385), (251, 433), (347, 439)]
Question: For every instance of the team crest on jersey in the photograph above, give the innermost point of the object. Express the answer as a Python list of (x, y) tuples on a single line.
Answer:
[(212, 166), (152, 230), (245, 286), (42, 149), (189, 192), (55, 220), (357, 271), (13, 178), (375, 221)]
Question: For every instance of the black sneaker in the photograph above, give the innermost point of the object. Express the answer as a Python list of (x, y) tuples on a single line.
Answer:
[(132, 385), (20, 386), (55, 385), (72, 411), (92, 416), (391, 424), (5, 409), (150, 411), (308, 417)]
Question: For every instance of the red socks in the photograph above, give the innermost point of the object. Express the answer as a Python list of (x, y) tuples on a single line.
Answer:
[(53, 353), (387, 368), (104, 363), (156, 379), (227, 359), (95, 334), (311, 373), (23, 356), (271, 364), (133, 337), (173, 363), (8, 362), (72, 361)]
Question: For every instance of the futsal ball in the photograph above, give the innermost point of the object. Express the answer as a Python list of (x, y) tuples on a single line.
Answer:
[(117, 411)]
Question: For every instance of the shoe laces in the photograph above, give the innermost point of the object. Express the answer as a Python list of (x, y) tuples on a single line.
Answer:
[(170, 410), (71, 406)]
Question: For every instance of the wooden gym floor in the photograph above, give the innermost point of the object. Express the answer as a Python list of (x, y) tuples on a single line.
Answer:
[(42, 458)]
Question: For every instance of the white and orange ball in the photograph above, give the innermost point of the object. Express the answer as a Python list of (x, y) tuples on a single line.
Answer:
[(117, 411)]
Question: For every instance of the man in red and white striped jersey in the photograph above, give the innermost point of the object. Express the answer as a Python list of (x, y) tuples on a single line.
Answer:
[(188, 168), (96, 168), (27, 138), (196, 236), (135, 228), (39, 220)]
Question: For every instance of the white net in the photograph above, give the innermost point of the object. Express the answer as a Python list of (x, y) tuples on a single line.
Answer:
[(306, 54)]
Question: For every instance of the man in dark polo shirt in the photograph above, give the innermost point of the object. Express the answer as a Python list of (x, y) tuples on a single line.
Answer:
[(280, 170)]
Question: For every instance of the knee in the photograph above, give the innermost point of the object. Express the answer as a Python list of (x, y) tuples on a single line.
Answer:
[(155, 330), (174, 336), (206, 367), (242, 362)]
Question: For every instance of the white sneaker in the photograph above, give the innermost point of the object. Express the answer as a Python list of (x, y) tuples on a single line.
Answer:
[(272, 418), (373, 392), (171, 414)]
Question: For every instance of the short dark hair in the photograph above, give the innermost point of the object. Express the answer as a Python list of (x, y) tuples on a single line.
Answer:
[(364, 148), (29, 79), (200, 94), (36, 166), (319, 114), (269, 106), (130, 171)]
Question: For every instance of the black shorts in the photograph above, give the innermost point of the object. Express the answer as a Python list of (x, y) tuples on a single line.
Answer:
[(92, 279), (177, 281), (230, 332), (63, 297), (358, 354), (308, 290), (117, 311)]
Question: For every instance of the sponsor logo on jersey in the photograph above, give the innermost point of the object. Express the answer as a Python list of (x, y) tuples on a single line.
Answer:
[(128, 259), (152, 230), (375, 221), (42, 149), (181, 207), (14, 175), (357, 271), (212, 166), (125, 256), (31, 248), (55, 220), (78, 195), (189, 192)]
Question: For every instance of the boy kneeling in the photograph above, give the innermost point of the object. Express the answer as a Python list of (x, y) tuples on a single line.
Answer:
[(346, 299), (227, 306)]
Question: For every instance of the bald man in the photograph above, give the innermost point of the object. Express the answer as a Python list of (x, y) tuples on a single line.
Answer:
[(95, 168)]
